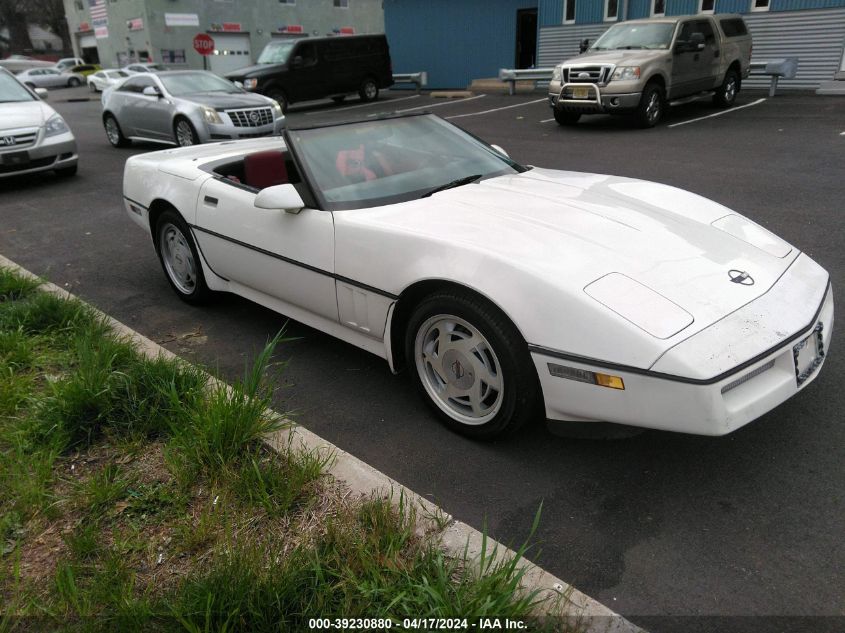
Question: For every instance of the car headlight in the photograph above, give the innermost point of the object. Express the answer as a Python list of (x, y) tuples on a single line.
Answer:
[(557, 73), (210, 115), (55, 125), (626, 72), (277, 108), (250, 84)]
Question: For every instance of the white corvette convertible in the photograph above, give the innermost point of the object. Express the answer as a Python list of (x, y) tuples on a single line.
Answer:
[(507, 291)]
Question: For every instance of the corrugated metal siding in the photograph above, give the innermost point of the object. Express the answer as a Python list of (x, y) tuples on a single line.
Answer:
[(732, 6), (639, 9), (815, 37), (455, 42), (681, 7), (550, 12), (561, 42), (589, 12), (803, 5)]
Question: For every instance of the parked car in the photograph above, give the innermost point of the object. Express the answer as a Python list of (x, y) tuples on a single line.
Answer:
[(103, 79), (133, 69), (508, 292), (638, 66), (319, 67), (17, 63), (83, 69), (49, 78), (68, 62), (186, 107), (33, 137)]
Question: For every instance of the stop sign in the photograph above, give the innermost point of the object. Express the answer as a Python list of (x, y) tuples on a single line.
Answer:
[(204, 44)]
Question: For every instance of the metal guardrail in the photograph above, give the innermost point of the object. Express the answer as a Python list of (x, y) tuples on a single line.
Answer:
[(513, 75), (419, 79), (786, 67)]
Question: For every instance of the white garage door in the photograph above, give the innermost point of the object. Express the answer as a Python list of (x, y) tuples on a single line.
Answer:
[(231, 51), (87, 41)]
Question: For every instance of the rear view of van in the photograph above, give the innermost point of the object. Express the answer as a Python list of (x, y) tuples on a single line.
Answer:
[(291, 70)]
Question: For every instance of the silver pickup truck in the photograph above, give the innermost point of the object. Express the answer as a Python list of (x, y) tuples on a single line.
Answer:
[(639, 67)]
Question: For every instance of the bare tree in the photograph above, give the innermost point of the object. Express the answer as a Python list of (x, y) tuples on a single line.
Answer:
[(50, 13)]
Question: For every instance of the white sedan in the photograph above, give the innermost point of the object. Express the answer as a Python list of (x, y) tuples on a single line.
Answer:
[(103, 79), (508, 292), (50, 78)]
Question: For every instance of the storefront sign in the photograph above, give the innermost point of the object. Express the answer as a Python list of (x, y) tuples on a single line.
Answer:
[(291, 28), (181, 19), (136, 24), (101, 32)]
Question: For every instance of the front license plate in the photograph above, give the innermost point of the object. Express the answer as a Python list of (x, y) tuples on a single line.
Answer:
[(14, 159), (581, 92), (808, 354)]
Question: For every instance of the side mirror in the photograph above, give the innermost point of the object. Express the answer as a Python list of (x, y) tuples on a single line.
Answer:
[(42, 93), (500, 150), (297, 62), (584, 45), (151, 91), (280, 197)]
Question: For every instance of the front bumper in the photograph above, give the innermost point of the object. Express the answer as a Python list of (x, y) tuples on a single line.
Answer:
[(45, 154), (228, 131), (596, 100), (718, 405)]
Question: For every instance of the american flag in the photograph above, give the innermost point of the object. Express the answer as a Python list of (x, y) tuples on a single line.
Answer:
[(98, 9)]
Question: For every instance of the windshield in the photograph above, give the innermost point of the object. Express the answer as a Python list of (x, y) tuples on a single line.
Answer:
[(381, 162), (631, 36), (116, 74), (11, 91), (190, 83), (276, 52), (153, 67)]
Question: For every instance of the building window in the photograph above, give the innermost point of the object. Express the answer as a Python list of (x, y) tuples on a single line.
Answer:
[(611, 10), (78, 5), (706, 6), (343, 4), (287, 1), (658, 7), (173, 56), (569, 12), (759, 5)]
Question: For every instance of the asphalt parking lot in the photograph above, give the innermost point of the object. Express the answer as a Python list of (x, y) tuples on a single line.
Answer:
[(667, 529)]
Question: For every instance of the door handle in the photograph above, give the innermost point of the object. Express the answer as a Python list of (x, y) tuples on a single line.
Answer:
[(210, 202)]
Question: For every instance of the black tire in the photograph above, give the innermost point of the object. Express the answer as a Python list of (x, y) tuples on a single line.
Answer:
[(279, 95), (339, 99), (115, 135), (196, 292), (725, 95), (502, 347), (73, 82), (368, 90), (66, 172), (652, 106), (184, 133), (566, 118)]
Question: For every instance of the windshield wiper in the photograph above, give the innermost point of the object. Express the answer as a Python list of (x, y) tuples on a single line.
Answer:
[(628, 48), (460, 182)]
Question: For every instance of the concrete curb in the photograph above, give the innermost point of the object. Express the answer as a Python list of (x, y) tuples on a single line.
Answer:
[(457, 538)]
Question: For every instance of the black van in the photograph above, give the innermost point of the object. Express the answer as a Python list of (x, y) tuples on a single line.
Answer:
[(292, 70)]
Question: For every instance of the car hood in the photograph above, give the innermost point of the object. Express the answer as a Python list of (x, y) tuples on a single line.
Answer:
[(573, 229), (617, 57), (24, 114), (222, 101)]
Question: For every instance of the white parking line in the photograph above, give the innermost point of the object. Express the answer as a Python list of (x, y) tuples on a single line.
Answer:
[(437, 105), (364, 105), (547, 120), (516, 105), (710, 116)]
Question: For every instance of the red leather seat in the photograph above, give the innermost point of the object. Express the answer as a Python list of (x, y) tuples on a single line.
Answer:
[(265, 169), (350, 164)]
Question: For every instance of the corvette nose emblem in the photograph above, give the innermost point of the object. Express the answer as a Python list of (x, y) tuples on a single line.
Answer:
[(741, 277)]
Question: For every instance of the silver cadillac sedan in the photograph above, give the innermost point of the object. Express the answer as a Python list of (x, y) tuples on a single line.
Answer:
[(186, 107)]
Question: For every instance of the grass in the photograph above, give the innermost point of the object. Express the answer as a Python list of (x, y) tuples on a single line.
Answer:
[(135, 496)]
